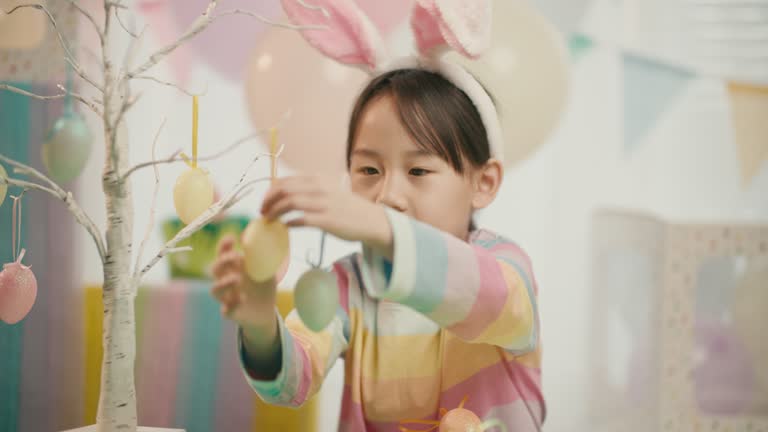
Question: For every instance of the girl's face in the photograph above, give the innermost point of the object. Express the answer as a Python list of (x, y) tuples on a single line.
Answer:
[(388, 167)]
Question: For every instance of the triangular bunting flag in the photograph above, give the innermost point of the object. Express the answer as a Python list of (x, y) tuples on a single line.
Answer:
[(649, 87), (749, 114), (578, 45)]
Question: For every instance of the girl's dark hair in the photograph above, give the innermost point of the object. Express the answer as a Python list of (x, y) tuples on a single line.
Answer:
[(439, 116)]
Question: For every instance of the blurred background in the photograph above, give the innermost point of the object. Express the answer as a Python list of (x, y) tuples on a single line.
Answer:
[(637, 135)]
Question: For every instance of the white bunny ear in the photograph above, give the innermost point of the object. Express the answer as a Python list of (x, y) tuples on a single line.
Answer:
[(463, 25), (349, 37)]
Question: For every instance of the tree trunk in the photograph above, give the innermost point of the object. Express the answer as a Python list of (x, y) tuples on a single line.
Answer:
[(117, 400)]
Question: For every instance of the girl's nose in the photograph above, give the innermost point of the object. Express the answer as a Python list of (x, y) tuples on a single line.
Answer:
[(391, 195)]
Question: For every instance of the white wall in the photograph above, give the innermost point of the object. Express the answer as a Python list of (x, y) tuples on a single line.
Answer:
[(686, 169)]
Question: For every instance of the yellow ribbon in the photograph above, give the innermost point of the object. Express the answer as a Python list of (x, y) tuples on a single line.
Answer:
[(193, 163)]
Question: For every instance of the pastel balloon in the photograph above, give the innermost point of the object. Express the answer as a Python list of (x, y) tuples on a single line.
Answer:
[(287, 75), (526, 71), (265, 246), (192, 194), (18, 291), (3, 186), (225, 44), (67, 148), (317, 298)]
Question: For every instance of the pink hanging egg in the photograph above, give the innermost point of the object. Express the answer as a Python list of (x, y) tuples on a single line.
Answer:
[(18, 290), (460, 420)]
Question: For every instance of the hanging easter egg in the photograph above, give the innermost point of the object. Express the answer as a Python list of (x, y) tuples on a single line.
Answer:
[(18, 290), (3, 186), (192, 194), (265, 246), (67, 147), (316, 297), (460, 420)]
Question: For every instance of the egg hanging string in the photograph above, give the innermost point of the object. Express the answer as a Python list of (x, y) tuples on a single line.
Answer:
[(18, 253), (195, 110), (69, 107), (309, 258)]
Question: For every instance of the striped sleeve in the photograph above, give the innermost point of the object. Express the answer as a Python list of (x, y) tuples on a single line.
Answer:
[(483, 292), (306, 356)]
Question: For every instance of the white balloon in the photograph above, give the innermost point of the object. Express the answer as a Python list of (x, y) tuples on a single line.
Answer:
[(526, 72)]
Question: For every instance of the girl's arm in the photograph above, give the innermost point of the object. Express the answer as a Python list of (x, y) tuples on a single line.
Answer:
[(300, 359), (482, 292)]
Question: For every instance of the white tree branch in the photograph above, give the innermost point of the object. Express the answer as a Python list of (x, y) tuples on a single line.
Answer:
[(207, 216), (175, 156), (88, 16), (153, 206), (122, 24), (199, 25), (68, 56), (170, 84), (90, 104), (58, 192)]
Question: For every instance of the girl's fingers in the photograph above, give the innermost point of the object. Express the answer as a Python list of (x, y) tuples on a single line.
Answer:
[(288, 187), (225, 285), (297, 202), (230, 261), (226, 244)]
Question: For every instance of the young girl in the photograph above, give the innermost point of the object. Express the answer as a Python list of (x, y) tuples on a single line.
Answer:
[(433, 311)]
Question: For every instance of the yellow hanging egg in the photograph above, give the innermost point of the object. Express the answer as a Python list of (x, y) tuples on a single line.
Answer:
[(3, 186), (265, 246), (193, 194)]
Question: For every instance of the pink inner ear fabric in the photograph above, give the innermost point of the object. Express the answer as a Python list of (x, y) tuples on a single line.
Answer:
[(426, 30), (463, 25), (349, 37)]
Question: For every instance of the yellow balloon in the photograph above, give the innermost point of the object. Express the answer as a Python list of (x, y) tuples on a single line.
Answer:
[(3, 186), (193, 194), (526, 71), (265, 245)]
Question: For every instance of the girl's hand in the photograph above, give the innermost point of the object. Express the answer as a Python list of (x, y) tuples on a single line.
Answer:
[(331, 208), (249, 304)]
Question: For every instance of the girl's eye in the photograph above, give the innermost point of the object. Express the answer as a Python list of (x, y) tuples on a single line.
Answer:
[(418, 172), (369, 171)]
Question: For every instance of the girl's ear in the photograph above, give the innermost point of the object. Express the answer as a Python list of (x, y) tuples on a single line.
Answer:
[(487, 181), (462, 25), (348, 37)]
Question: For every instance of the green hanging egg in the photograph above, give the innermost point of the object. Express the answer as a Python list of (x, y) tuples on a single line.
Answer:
[(316, 297), (67, 148)]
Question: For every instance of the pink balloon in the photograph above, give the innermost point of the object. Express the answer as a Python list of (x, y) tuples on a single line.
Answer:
[(386, 15), (287, 75), (226, 43), (18, 291)]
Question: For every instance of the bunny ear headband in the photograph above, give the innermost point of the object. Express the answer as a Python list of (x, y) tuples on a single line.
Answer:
[(438, 25)]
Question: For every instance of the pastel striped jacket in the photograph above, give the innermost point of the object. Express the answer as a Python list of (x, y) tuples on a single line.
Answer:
[(444, 320)]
